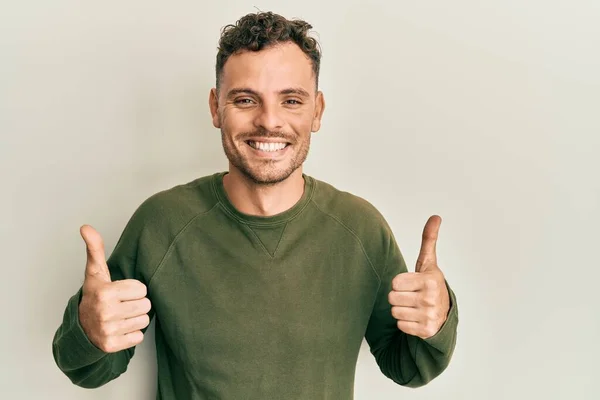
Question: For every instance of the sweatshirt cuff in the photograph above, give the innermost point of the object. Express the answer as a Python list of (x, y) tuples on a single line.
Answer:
[(444, 339), (82, 351)]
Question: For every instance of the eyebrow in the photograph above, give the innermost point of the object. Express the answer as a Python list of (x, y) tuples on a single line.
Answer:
[(298, 91)]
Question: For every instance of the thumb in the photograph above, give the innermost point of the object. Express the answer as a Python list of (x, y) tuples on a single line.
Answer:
[(427, 255), (96, 261)]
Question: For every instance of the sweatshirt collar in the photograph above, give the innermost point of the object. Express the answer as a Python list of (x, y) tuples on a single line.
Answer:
[(257, 220)]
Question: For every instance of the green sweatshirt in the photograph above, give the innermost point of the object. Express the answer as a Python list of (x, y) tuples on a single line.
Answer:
[(250, 307)]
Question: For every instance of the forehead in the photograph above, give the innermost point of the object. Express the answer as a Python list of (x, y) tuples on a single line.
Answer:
[(271, 69)]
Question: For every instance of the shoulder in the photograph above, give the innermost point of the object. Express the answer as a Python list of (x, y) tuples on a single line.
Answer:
[(355, 214), (170, 209), (349, 209), (157, 221)]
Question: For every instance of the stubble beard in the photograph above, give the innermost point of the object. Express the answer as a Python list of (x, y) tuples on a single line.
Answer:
[(265, 172)]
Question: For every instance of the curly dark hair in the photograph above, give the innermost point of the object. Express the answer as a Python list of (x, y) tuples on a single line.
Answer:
[(254, 32)]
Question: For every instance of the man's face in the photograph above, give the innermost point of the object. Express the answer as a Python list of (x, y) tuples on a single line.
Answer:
[(266, 108)]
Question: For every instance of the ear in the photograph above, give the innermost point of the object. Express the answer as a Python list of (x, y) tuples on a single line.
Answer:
[(319, 109), (213, 103)]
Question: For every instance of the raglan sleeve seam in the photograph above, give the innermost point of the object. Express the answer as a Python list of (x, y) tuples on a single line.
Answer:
[(355, 235), (175, 239)]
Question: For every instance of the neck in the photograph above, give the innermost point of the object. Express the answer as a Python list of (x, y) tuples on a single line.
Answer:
[(263, 200)]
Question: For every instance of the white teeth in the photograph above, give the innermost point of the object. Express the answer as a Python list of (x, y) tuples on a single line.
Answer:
[(267, 146)]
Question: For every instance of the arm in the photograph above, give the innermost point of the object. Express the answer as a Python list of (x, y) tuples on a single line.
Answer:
[(79, 359), (84, 363), (406, 359)]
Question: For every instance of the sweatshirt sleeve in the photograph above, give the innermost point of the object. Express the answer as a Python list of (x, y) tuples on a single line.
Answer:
[(406, 359), (75, 355)]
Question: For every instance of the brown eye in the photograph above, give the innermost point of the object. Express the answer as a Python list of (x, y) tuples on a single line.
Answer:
[(243, 101)]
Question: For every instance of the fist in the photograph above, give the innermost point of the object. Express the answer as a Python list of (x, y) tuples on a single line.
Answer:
[(112, 314), (420, 300)]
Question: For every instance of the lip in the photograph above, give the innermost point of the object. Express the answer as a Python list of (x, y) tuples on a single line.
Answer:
[(265, 140), (268, 154)]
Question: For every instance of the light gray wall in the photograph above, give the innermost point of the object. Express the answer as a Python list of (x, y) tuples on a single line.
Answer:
[(486, 113)]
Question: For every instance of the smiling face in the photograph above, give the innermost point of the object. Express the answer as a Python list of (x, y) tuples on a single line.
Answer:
[(267, 106)]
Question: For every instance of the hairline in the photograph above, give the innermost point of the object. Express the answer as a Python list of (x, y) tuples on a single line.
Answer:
[(267, 47)]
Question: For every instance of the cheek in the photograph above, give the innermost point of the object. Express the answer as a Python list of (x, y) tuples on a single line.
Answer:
[(231, 123), (303, 128), (301, 123)]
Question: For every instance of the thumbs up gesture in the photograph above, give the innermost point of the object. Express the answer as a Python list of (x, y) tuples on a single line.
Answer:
[(420, 299), (112, 314)]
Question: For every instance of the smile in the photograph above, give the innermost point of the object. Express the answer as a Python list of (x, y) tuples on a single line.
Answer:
[(267, 146)]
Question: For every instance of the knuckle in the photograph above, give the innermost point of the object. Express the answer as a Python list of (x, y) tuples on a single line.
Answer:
[(104, 317), (431, 315), (107, 345), (105, 330), (391, 297), (431, 283), (145, 320), (147, 304), (102, 314), (431, 300), (102, 296), (138, 287), (404, 327), (396, 281), (140, 323), (430, 329), (95, 296), (137, 337)]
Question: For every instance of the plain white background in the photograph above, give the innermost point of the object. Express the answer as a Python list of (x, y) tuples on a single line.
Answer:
[(486, 113)]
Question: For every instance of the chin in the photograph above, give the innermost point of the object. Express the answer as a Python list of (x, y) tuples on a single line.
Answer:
[(266, 176)]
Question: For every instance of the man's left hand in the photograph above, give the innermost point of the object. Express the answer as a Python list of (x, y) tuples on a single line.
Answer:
[(420, 299)]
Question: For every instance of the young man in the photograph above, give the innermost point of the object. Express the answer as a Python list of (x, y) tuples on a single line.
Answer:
[(262, 280)]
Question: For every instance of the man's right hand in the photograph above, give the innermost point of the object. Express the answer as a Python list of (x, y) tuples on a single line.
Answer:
[(112, 314)]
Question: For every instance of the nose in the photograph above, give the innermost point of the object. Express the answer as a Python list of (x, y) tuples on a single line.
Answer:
[(269, 118)]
